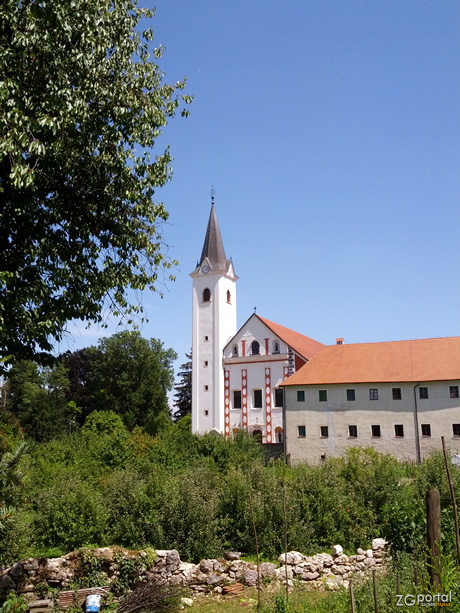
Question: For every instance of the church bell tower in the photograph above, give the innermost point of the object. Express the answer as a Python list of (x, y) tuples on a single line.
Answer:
[(214, 324)]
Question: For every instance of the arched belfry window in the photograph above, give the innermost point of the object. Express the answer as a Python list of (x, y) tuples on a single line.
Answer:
[(276, 347), (206, 295), (255, 348), (235, 351), (229, 296)]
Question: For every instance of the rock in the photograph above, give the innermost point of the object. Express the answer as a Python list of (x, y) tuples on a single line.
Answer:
[(219, 567), (369, 553), (232, 555), (292, 558), (267, 570), (360, 551), (16, 570), (309, 576), (31, 564), (207, 566), (250, 577), (360, 557), (186, 602), (338, 570), (323, 560), (369, 562), (337, 550), (378, 544), (187, 570), (172, 560), (214, 579), (281, 572), (342, 559), (7, 583), (217, 589)]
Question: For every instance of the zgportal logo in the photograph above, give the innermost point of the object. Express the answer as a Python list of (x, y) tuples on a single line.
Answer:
[(424, 600)]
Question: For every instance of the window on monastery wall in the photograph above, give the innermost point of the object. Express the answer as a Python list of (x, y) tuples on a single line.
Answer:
[(453, 391), (397, 395), (426, 430), (276, 347), (399, 430), (235, 351), (255, 348), (206, 294), (322, 395), (375, 431), (351, 395), (257, 399), (324, 431), (373, 393), (229, 296), (257, 434), (423, 393), (300, 395), (279, 395), (456, 429), (301, 431), (279, 434), (353, 431), (237, 399)]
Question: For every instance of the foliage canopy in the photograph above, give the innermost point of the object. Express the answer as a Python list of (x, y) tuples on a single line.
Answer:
[(81, 104)]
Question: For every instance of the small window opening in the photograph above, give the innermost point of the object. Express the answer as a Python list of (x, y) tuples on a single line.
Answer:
[(255, 348), (229, 296), (206, 295)]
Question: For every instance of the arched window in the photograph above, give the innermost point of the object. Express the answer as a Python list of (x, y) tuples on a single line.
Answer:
[(276, 347), (206, 295), (257, 434), (279, 434), (229, 296), (255, 348), (235, 351)]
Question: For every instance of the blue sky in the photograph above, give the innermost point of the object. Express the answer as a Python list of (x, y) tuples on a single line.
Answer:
[(330, 130)]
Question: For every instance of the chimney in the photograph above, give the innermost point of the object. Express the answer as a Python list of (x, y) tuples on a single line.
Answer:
[(339, 341)]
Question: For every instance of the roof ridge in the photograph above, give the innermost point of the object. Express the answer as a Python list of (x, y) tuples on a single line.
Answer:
[(408, 340)]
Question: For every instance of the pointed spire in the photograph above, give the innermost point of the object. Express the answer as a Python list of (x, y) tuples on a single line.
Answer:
[(213, 247)]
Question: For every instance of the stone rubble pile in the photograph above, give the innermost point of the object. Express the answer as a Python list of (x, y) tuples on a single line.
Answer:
[(329, 570)]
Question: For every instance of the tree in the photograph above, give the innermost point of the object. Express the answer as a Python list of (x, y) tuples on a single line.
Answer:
[(183, 390), (126, 374), (81, 105), (38, 399)]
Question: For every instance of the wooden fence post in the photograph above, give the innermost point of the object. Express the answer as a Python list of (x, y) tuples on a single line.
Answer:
[(374, 582), (433, 535), (352, 597), (454, 501)]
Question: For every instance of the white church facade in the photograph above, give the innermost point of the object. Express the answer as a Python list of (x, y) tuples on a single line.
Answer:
[(236, 375)]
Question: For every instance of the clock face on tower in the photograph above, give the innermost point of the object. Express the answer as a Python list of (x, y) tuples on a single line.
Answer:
[(205, 269)]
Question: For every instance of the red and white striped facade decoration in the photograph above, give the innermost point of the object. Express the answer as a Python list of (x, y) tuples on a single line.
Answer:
[(227, 402), (286, 372), (268, 406), (244, 398)]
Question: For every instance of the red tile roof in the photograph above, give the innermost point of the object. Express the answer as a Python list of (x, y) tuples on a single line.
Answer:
[(432, 359), (303, 345)]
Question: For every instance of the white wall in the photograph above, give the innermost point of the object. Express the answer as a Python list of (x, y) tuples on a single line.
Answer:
[(439, 410), (215, 319)]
